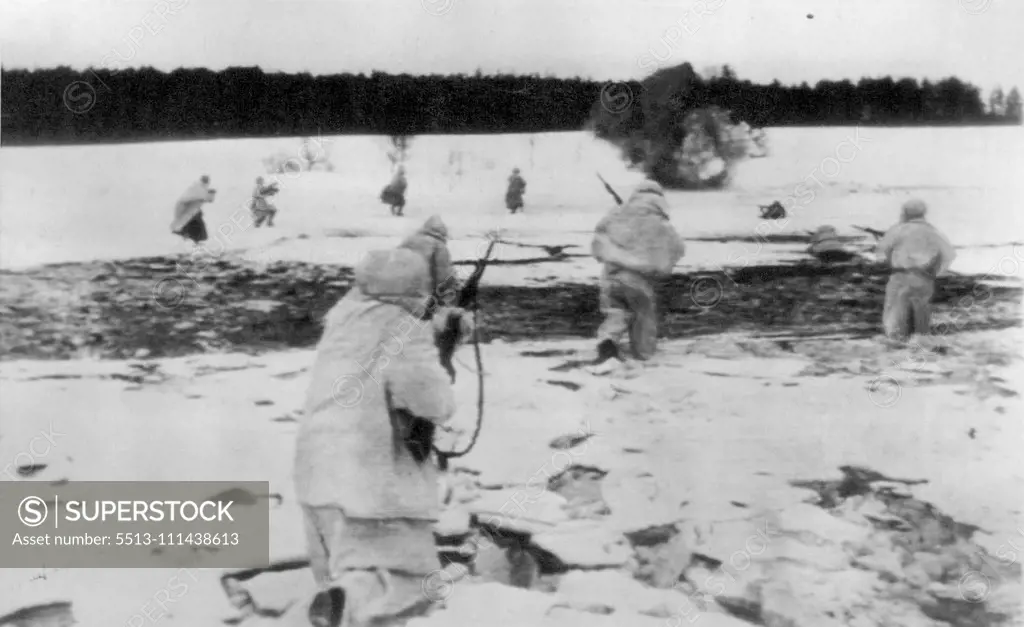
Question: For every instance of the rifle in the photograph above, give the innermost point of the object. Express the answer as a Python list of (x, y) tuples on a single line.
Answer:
[(468, 301), (878, 234), (446, 347), (611, 191), (554, 251)]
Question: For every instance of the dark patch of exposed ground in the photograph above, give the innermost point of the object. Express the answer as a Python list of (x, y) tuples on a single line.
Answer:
[(156, 307), (928, 541), (769, 238)]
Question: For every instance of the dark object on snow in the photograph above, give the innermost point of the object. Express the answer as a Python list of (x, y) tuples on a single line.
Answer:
[(554, 251), (835, 256), (569, 385), (774, 211), (826, 247), (557, 251)]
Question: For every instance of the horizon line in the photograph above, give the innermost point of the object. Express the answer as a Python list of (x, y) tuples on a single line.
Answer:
[(546, 75)]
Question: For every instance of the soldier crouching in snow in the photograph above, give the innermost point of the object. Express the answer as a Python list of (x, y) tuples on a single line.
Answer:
[(637, 245), (365, 471), (826, 246)]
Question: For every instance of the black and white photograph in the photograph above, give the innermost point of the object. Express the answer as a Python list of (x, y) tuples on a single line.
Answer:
[(516, 313)]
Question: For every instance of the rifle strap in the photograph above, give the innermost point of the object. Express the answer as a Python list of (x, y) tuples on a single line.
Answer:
[(444, 456)]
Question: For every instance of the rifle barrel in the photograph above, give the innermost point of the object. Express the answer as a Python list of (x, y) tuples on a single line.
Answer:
[(467, 296), (609, 189), (878, 234)]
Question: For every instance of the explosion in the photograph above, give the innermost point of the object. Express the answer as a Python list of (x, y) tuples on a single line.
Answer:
[(672, 133)]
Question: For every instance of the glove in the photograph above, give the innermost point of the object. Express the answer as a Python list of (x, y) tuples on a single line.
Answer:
[(421, 439), (416, 434), (466, 326)]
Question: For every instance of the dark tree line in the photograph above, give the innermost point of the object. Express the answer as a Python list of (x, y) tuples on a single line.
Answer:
[(661, 99), (63, 105)]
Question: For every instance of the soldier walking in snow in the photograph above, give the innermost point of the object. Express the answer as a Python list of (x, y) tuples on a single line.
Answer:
[(188, 212), (516, 188), (261, 207), (394, 193)]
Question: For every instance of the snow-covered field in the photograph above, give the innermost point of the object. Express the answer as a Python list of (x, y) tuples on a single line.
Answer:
[(95, 202), (709, 423)]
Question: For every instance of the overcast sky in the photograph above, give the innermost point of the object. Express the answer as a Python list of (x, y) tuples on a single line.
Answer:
[(976, 40)]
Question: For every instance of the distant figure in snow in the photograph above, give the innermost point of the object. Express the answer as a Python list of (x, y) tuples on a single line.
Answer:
[(516, 188), (917, 253), (826, 247), (261, 207), (394, 193), (188, 212), (637, 245), (431, 242), (774, 211)]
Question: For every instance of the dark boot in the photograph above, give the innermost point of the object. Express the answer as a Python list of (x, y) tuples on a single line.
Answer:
[(608, 361), (327, 608), (607, 350)]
